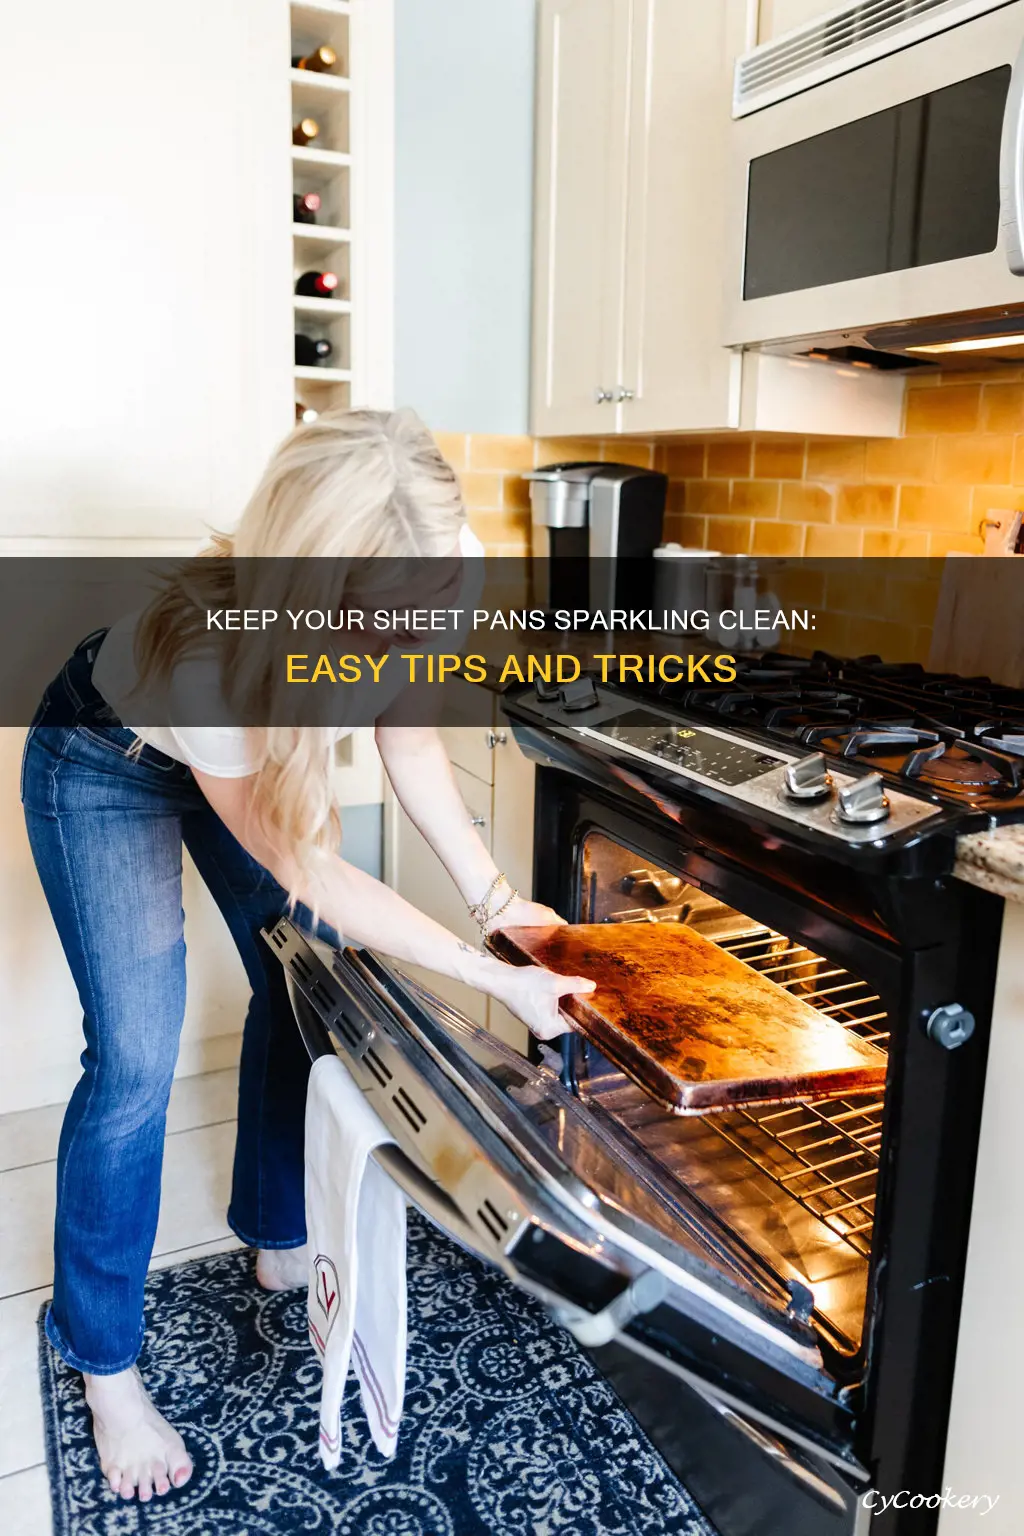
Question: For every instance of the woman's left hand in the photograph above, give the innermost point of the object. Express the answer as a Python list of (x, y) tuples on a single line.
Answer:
[(525, 914)]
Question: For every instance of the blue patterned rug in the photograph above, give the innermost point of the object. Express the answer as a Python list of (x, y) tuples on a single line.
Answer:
[(508, 1427)]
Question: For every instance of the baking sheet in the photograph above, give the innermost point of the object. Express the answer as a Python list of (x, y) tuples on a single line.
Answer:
[(691, 1024)]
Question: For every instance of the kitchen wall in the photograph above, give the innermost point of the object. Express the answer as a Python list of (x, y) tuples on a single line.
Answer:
[(491, 471), (925, 493), (463, 210)]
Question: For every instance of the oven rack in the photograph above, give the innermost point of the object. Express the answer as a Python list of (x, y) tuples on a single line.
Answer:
[(824, 1154)]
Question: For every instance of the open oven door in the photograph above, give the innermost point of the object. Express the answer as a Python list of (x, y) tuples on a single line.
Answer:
[(497, 1154)]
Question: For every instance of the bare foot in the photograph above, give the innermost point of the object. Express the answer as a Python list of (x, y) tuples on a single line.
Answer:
[(139, 1451), (282, 1269)]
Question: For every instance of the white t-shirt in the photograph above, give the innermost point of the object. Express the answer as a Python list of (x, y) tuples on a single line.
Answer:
[(225, 751)]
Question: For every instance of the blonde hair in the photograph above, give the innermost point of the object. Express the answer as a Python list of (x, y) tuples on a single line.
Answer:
[(349, 486)]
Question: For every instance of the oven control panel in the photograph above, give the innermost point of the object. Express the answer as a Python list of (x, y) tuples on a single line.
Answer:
[(693, 748), (797, 785)]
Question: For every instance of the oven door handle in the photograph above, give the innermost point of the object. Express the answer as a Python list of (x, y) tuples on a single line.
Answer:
[(1011, 170), (592, 1329), (428, 1197), (777, 1451)]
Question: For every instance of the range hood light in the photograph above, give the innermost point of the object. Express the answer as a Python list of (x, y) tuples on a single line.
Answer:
[(969, 344)]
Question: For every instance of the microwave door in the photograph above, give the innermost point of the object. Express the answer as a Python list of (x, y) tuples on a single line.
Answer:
[(890, 193), (499, 1156)]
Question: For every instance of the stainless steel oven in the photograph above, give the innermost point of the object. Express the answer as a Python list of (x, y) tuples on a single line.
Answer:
[(876, 171), (774, 1292), (589, 1202)]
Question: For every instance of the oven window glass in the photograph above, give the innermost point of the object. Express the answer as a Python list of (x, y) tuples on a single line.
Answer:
[(915, 184), (795, 1181)]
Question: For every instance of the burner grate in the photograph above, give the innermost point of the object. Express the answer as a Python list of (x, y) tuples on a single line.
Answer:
[(824, 1155), (959, 739), (1003, 735)]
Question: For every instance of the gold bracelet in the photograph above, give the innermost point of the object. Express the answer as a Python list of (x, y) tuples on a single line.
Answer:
[(478, 910), (505, 904)]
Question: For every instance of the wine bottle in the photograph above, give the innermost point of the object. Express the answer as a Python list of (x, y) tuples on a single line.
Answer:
[(305, 207), (304, 414), (317, 285), (306, 131), (311, 350), (322, 60)]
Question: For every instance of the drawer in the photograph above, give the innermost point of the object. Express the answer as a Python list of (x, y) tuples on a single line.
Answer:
[(469, 745), (416, 873), (469, 748)]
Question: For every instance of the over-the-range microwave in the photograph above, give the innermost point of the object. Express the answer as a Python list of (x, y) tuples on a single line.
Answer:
[(877, 177)]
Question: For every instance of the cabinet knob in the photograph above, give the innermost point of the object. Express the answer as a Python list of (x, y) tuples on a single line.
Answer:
[(496, 739), (478, 821), (622, 394), (603, 396)]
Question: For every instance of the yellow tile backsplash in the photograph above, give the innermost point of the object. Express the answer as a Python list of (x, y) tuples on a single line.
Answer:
[(926, 493), (490, 470)]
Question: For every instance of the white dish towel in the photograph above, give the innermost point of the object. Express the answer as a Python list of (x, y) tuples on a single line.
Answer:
[(355, 1216)]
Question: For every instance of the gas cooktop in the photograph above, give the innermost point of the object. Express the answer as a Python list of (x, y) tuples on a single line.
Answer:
[(958, 740), (857, 753)]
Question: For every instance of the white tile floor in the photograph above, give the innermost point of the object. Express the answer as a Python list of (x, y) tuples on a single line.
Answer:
[(197, 1173)]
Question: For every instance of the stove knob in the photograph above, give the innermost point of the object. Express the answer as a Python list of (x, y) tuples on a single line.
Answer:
[(579, 695), (863, 801), (808, 779)]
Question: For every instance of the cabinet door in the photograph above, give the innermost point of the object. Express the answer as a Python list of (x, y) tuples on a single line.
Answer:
[(469, 745), (415, 872), (580, 212), (680, 375), (512, 848)]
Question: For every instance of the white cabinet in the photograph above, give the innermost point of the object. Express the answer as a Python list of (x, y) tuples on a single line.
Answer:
[(583, 67), (496, 783), (983, 1443), (632, 124), (674, 365), (417, 874)]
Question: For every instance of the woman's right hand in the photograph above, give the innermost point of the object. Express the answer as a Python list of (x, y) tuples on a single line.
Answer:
[(532, 994)]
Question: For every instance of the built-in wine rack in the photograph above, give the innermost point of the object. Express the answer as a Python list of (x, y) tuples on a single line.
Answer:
[(345, 169), (322, 172)]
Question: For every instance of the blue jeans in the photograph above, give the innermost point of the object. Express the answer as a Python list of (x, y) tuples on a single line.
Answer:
[(107, 831)]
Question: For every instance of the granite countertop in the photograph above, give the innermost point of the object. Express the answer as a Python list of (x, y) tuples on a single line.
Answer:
[(993, 860)]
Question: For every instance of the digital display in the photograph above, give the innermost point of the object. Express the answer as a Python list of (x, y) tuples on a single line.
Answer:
[(688, 748)]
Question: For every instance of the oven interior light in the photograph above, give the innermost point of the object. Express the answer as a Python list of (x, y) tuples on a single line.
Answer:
[(969, 344)]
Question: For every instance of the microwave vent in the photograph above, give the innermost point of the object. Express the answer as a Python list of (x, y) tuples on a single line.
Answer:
[(840, 41)]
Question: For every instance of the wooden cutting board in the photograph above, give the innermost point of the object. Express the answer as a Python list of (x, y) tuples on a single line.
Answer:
[(691, 1024)]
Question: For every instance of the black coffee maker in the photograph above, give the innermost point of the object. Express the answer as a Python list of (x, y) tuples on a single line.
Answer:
[(594, 530)]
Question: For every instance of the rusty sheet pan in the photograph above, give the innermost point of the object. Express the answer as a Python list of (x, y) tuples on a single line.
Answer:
[(693, 1026)]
